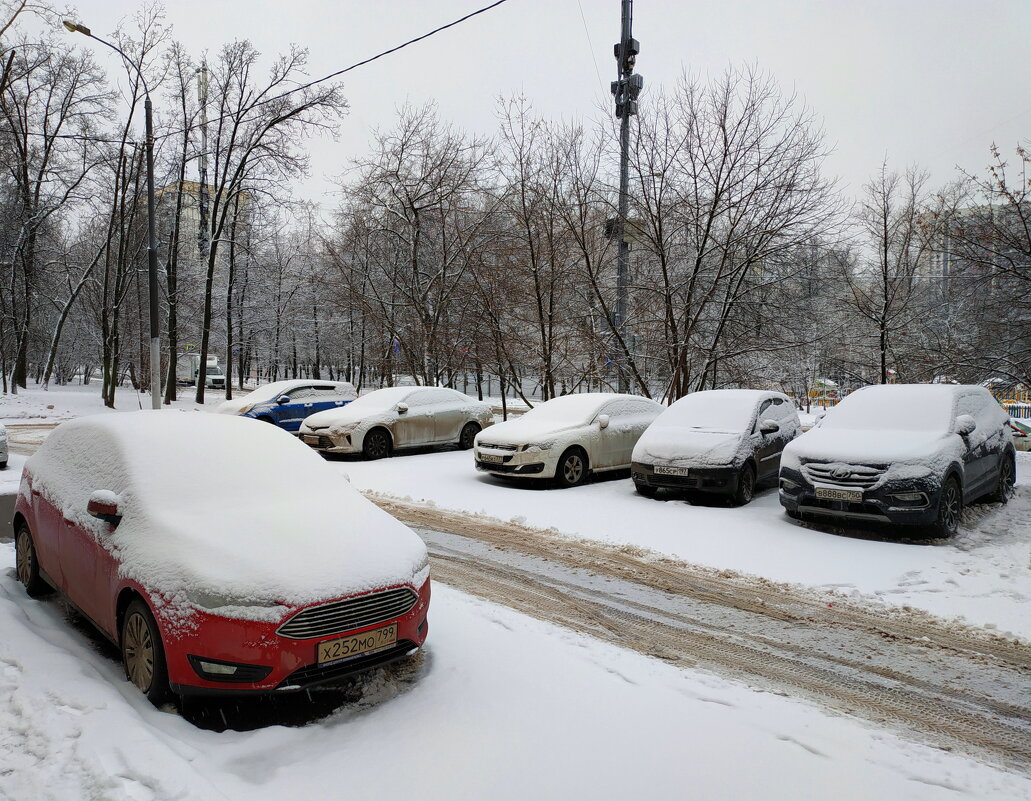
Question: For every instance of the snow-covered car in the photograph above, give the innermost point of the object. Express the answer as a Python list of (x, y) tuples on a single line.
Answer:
[(909, 454), (4, 450), (567, 438), (287, 403), (723, 441), (210, 570), (394, 418)]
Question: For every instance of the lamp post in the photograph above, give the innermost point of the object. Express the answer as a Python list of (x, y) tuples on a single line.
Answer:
[(152, 237)]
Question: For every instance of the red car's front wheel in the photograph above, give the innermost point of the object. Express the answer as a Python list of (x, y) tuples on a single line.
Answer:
[(142, 652)]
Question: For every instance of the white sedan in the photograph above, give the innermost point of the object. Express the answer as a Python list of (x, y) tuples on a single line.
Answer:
[(398, 417), (567, 438)]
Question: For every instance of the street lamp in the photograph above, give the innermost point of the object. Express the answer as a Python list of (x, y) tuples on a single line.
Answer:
[(152, 240)]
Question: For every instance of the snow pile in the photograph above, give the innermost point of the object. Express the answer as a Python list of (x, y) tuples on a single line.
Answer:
[(225, 507)]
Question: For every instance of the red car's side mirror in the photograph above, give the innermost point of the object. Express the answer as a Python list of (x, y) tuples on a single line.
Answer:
[(103, 505)]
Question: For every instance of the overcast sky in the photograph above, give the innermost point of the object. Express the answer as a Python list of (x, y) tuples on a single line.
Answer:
[(932, 82)]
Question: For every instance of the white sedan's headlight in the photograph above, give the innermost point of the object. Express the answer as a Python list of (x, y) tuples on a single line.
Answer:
[(538, 447), (339, 431), (247, 408)]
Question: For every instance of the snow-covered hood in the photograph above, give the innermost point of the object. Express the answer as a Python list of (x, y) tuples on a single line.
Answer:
[(858, 446), (346, 416), (526, 431), (688, 446), (237, 405), (314, 548)]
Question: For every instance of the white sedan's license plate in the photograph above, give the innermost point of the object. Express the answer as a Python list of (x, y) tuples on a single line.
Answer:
[(839, 495), (310, 439), (490, 458), (360, 644), (663, 470)]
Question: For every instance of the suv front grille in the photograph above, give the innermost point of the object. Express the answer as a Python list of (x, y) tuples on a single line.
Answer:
[(349, 614), (850, 476)]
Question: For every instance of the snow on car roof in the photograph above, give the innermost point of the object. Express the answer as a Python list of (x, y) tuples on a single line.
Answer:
[(914, 407), (718, 410), (226, 505), (277, 388), (578, 406)]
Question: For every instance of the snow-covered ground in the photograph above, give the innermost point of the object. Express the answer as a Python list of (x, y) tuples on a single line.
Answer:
[(982, 575), (36, 405), (500, 707)]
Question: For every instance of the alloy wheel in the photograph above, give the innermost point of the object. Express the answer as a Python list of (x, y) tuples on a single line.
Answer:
[(950, 507), (1006, 480), (24, 557), (573, 469), (138, 651)]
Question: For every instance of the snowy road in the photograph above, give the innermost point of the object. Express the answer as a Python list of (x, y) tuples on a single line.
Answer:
[(955, 688)]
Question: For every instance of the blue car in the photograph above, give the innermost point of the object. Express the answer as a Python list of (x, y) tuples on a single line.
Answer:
[(287, 403)]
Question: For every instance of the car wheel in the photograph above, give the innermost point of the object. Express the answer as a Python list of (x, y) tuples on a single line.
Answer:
[(646, 491), (745, 485), (469, 432), (1004, 489), (26, 564), (376, 444), (950, 506), (143, 654), (3, 465), (794, 514), (572, 468)]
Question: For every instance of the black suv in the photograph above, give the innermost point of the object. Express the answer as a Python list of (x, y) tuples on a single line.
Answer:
[(910, 454)]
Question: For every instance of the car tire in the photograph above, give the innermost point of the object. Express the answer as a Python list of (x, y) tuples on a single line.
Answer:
[(3, 465), (1007, 478), (26, 564), (572, 469), (469, 432), (794, 514), (645, 490), (376, 444), (950, 507), (143, 654), (745, 489)]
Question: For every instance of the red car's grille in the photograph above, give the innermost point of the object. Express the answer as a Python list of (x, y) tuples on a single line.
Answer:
[(349, 614)]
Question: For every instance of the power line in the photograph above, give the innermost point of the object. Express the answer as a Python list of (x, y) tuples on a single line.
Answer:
[(289, 92), (354, 66)]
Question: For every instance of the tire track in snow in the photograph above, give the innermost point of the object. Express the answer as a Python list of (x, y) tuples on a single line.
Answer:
[(953, 687)]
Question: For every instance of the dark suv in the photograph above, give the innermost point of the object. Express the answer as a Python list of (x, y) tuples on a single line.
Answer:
[(910, 454)]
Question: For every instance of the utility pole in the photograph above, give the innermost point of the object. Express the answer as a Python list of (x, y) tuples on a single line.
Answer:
[(625, 90), (203, 236), (152, 239), (202, 191)]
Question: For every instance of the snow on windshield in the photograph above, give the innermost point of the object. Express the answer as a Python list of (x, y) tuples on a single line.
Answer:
[(269, 391), (379, 399), (727, 411), (912, 407), (569, 409)]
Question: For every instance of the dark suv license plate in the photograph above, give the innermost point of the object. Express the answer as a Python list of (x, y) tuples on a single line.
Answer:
[(839, 495)]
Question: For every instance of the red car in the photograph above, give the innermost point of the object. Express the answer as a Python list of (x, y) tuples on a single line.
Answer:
[(219, 554)]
